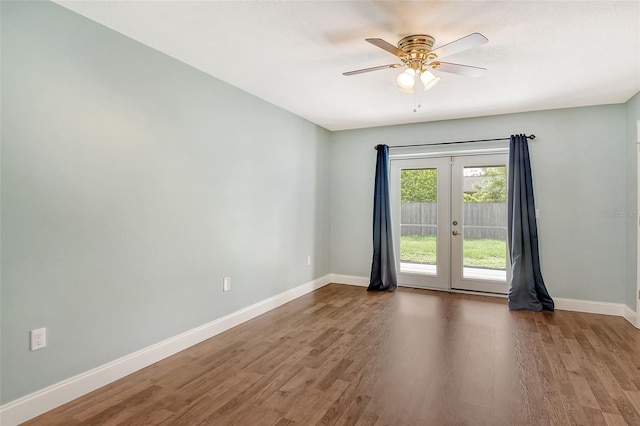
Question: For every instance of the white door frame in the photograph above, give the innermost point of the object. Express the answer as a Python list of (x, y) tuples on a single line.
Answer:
[(458, 280), (443, 278), (637, 307)]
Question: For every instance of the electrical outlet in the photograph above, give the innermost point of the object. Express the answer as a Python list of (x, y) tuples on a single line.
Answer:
[(38, 338), (226, 284), (308, 260)]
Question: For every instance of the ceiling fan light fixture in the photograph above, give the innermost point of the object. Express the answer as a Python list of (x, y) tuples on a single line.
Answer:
[(406, 79), (428, 79), (416, 52)]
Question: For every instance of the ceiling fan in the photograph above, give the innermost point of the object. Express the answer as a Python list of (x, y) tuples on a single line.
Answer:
[(415, 52)]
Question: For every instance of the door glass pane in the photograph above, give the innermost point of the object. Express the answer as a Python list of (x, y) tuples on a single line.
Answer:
[(418, 221), (485, 223)]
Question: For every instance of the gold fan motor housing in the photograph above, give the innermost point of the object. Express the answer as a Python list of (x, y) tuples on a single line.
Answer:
[(418, 48)]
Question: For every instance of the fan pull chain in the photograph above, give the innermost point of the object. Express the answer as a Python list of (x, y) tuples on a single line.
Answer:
[(416, 94)]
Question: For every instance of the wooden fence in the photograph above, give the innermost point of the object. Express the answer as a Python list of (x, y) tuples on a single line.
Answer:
[(481, 220)]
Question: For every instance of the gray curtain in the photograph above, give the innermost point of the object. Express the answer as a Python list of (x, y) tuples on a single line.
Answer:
[(383, 266), (526, 289)]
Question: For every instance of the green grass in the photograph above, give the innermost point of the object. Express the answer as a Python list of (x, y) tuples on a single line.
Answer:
[(480, 253), (417, 249)]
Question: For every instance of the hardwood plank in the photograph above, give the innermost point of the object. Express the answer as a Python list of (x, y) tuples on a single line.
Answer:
[(614, 420), (470, 414), (256, 415), (594, 417), (598, 387), (477, 382)]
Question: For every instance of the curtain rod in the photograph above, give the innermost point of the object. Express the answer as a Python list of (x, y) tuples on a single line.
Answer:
[(531, 136)]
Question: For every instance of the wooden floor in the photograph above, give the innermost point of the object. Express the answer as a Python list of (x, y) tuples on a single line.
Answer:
[(343, 356)]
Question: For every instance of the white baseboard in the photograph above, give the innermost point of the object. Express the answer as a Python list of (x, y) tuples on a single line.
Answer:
[(46, 399), (589, 306), (349, 280), (631, 316), (563, 304)]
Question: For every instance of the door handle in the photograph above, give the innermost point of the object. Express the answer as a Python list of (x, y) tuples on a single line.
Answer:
[(456, 233)]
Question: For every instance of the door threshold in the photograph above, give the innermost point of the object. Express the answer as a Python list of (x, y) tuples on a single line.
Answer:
[(453, 290)]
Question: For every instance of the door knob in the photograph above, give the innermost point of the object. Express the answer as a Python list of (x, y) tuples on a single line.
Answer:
[(456, 233)]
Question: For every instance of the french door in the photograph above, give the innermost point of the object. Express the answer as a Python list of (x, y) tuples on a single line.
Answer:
[(450, 222)]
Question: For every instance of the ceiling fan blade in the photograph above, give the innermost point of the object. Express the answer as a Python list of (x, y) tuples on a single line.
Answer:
[(460, 45), (381, 67), (465, 70), (386, 46)]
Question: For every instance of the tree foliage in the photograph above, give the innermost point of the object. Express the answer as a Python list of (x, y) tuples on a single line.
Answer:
[(492, 189), (419, 186)]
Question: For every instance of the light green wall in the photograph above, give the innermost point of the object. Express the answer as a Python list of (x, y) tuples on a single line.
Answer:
[(632, 108), (131, 185), (578, 165)]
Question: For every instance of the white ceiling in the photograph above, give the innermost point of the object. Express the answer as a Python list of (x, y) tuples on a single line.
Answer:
[(540, 55)]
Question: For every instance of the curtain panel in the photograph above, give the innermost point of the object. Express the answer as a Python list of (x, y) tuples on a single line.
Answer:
[(383, 266), (526, 289)]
